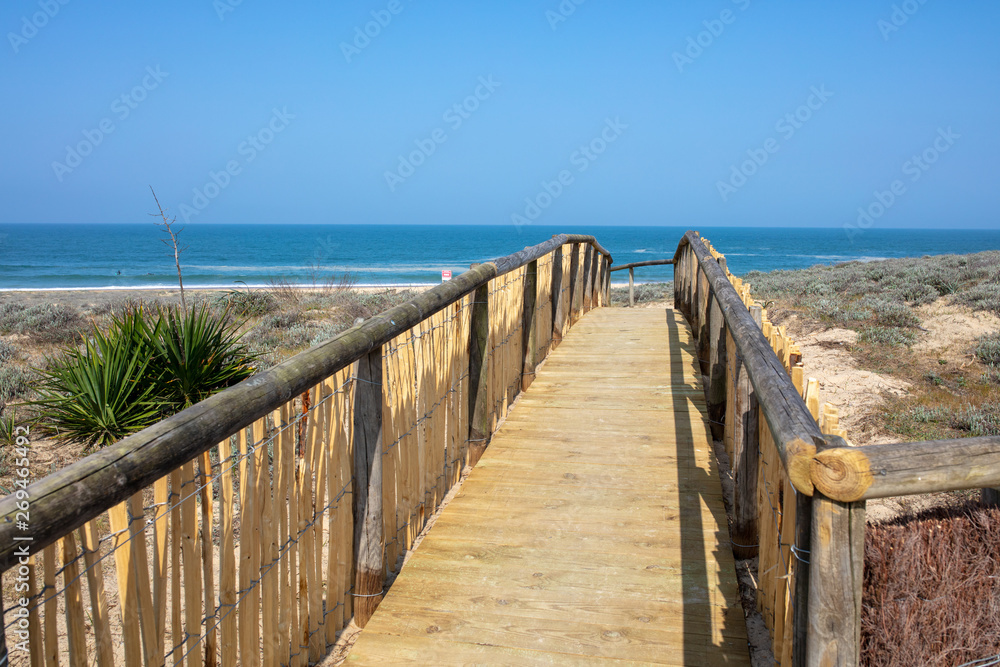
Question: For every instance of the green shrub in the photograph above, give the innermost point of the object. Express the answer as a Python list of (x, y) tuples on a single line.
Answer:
[(140, 370), (127, 304), (973, 280), (988, 349), (8, 352), (248, 303), (891, 336), (980, 420), (101, 392), (643, 293), (15, 381), (194, 355), (43, 323)]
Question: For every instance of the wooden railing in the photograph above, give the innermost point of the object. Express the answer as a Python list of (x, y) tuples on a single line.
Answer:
[(799, 486), (631, 274), (252, 526)]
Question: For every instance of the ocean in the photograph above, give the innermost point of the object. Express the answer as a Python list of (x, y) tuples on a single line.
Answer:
[(88, 256)]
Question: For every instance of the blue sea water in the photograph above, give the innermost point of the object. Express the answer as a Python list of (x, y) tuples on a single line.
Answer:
[(50, 256)]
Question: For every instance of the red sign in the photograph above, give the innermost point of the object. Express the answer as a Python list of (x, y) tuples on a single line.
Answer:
[(445, 276)]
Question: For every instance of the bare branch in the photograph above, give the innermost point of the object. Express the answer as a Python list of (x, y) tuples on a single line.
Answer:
[(166, 225)]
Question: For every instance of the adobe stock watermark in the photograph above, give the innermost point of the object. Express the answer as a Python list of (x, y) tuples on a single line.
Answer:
[(455, 116), (248, 150), (914, 168), (562, 13), (21, 627), (363, 35), (787, 126), (899, 17), (122, 107), (580, 159), (38, 20), (696, 44), (223, 7)]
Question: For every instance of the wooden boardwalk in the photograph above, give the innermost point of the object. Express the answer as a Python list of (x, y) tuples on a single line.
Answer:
[(593, 529)]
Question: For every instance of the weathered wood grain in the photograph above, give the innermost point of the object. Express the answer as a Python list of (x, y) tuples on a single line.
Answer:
[(880, 471), (593, 531), (796, 435), (368, 537)]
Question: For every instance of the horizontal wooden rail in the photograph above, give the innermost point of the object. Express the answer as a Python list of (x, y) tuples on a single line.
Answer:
[(796, 435), (650, 262), (849, 474), (66, 499), (631, 274)]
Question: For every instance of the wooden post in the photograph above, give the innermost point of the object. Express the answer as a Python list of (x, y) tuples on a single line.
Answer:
[(598, 280), (3, 641), (595, 279), (607, 283), (717, 365), (558, 304), (588, 268), (836, 576), (682, 282), (529, 335), (678, 279), (746, 451), (989, 497), (803, 539), (702, 332), (575, 286), (692, 287), (479, 334), (631, 295), (368, 538)]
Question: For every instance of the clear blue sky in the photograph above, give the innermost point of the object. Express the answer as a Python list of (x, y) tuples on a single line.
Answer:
[(676, 119)]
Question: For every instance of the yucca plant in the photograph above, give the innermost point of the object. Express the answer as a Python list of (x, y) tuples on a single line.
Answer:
[(100, 392), (195, 354), (143, 369)]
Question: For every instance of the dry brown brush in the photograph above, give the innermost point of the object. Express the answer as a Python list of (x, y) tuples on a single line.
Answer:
[(932, 589)]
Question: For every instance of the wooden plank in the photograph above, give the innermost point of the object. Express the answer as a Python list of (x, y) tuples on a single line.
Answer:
[(103, 643), (51, 608), (589, 530), (207, 538), (228, 642), (307, 543), (191, 552), (336, 454), (249, 555), (317, 637), (283, 443), (161, 557), (409, 650), (176, 597), (76, 637), (268, 543), (127, 592), (36, 648)]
